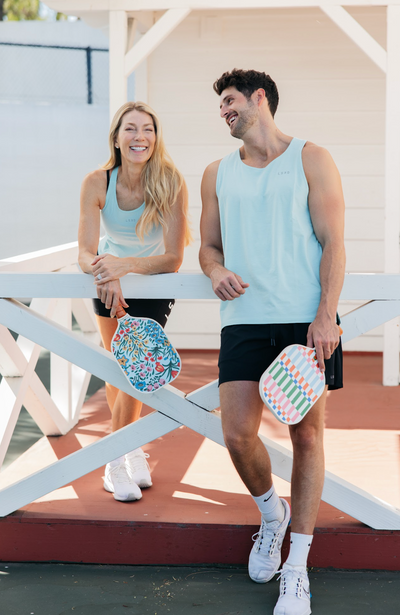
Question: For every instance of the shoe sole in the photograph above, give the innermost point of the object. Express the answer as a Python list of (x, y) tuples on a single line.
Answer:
[(128, 499)]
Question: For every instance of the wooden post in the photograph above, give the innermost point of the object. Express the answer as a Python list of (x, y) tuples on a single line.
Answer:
[(392, 187), (118, 42)]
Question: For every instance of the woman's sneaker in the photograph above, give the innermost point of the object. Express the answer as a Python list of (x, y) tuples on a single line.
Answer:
[(265, 556), (138, 468), (295, 594), (118, 481)]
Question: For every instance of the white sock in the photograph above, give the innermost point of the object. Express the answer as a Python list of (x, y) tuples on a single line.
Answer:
[(270, 506), (299, 548), (117, 461)]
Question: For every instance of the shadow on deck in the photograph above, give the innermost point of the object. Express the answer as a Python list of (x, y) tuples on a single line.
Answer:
[(198, 511)]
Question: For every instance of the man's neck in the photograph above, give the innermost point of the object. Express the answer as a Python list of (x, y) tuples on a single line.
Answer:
[(262, 143)]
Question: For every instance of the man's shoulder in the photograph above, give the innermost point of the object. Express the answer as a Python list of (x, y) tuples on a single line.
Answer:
[(315, 153), (316, 159)]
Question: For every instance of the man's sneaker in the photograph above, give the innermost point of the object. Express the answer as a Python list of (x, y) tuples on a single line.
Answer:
[(118, 482), (138, 468), (295, 594), (265, 556)]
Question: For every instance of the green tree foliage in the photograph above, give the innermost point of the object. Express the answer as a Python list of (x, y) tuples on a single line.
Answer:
[(18, 10)]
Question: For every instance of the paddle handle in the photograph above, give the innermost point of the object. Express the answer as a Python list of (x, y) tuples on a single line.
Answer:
[(120, 311)]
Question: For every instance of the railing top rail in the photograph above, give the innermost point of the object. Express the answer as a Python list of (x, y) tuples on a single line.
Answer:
[(357, 286)]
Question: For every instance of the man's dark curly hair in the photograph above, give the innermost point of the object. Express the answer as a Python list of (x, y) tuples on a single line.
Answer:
[(247, 82)]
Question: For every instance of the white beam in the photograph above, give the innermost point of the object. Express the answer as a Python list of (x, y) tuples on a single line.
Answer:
[(357, 33), (77, 7), (154, 37), (118, 32), (391, 346)]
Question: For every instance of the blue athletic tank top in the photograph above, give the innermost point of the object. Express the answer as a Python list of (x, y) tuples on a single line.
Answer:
[(268, 239), (120, 237)]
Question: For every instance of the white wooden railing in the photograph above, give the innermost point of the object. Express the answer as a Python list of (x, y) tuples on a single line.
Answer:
[(59, 290)]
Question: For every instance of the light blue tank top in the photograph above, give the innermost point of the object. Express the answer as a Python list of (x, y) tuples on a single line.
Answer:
[(268, 239), (120, 227)]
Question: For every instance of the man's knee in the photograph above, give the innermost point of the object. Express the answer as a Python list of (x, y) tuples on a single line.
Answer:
[(239, 444), (306, 437)]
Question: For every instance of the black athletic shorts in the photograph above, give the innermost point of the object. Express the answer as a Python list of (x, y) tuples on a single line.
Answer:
[(247, 351), (157, 309)]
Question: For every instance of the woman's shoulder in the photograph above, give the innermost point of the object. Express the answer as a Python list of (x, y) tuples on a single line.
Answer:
[(96, 180)]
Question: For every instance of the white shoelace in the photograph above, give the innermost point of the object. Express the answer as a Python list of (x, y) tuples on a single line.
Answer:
[(139, 462), (267, 538), (119, 474), (292, 583)]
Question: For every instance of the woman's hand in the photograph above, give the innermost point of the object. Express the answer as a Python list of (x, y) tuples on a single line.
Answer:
[(110, 293), (106, 267)]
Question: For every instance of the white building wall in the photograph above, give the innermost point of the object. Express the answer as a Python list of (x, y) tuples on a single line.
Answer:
[(331, 94)]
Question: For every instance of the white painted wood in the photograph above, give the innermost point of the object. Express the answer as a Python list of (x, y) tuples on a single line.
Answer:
[(18, 387), (367, 317), (82, 310), (77, 7), (391, 376), (357, 286), (118, 26), (83, 461), (77, 285), (168, 401), (153, 37), (391, 339), (206, 397), (60, 370), (50, 259), (357, 33), (142, 82)]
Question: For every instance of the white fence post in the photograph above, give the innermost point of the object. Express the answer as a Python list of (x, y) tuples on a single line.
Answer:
[(77, 352)]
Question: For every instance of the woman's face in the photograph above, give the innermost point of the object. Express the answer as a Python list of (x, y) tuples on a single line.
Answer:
[(136, 137)]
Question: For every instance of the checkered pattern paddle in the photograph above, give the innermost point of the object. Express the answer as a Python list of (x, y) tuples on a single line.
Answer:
[(144, 353), (292, 384)]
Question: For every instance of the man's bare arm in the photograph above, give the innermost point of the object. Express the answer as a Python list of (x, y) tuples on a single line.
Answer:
[(326, 205), (226, 284)]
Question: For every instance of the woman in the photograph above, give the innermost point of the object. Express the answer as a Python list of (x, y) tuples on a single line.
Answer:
[(141, 199)]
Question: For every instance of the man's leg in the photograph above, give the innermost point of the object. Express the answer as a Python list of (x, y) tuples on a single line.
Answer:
[(308, 468), (241, 411), (307, 484)]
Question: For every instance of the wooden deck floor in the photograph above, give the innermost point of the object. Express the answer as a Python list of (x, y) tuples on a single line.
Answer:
[(198, 511)]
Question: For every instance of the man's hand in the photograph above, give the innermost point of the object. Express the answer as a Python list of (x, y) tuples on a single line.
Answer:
[(226, 284), (111, 295), (323, 335)]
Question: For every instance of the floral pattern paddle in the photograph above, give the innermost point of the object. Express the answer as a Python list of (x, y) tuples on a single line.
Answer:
[(144, 353)]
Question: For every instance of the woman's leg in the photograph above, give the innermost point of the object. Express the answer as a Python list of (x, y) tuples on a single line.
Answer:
[(123, 476), (124, 408)]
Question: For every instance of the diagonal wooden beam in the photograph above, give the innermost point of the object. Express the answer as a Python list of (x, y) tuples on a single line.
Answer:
[(84, 461), (357, 33), (367, 317), (154, 37), (173, 405)]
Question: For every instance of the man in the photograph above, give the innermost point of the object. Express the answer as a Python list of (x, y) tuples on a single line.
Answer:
[(272, 245)]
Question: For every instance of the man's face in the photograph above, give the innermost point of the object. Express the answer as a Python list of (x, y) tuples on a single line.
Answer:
[(239, 112)]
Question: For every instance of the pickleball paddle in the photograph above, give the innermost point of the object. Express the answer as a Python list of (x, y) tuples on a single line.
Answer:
[(144, 353), (292, 384)]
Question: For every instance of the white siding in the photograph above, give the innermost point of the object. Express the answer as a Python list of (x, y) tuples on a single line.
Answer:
[(330, 92)]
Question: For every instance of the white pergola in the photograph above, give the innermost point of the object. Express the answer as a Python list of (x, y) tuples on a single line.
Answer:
[(137, 27)]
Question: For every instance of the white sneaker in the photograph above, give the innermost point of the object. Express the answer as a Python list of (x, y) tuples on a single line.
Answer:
[(265, 556), (295, 594), (138, 468), (118, 482)]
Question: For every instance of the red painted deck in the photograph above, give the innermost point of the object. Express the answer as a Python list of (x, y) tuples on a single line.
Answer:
[(198, 511)]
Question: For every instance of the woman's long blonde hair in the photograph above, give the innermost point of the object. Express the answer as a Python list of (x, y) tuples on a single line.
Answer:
[(161, 179)]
